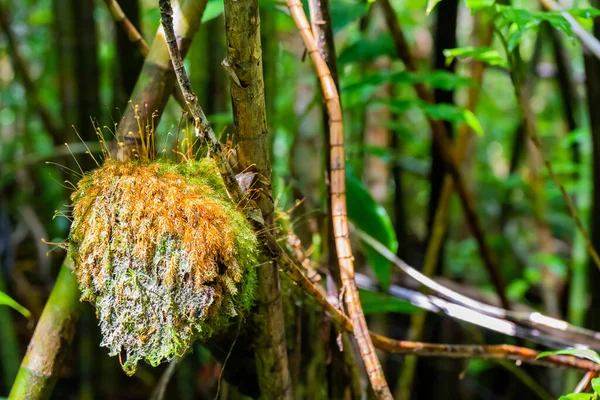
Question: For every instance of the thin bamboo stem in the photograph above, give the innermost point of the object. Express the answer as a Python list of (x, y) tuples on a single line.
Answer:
[(338, 199)]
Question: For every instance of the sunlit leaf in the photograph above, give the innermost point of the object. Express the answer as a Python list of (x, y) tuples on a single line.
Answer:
[(371, 218), (431, 4), (596, 385), (377, 303), (577, 396), (484, 54), (479, 4), (585, 12), (213, 10), (6, 300), (473, 122), (581, 353)]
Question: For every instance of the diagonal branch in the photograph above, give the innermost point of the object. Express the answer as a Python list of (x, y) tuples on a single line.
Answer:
[(338, 200), (132, 33), (136, 38), (502, 351)]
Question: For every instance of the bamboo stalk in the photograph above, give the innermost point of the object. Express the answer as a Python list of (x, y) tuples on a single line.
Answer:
[(53, 335), (321, 25), (244, 65), (338, 200), (136, 38), (157, 79)]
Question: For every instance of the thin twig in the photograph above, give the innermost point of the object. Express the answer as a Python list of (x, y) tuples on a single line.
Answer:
[(503, 351), (202, 126), (158, 393), (441, 140), (132, 33), (136, 38), (338, 200)]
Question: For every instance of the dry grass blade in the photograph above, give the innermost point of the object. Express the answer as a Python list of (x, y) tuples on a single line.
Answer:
[(338, 200)]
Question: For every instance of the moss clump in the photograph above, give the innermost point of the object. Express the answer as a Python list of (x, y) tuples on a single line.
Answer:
[(162, 253)]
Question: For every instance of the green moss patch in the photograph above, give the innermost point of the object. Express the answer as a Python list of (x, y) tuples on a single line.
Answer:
[(163, 254)]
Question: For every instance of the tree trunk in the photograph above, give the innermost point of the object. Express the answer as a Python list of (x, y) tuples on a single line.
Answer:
[(244, 65)]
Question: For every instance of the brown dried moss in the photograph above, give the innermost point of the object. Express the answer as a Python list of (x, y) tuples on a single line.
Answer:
[(162, 253)]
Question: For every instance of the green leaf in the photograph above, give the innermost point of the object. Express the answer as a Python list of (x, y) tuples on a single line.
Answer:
[(484, 54), (586, 13), (577, 396), (438, 79), (596, 385), (6, 300), (520, 21), (213, 9), (371, 218), (344, 13), (378, 303), (479, 4), (431, 4), (581, 353), (473, 122)]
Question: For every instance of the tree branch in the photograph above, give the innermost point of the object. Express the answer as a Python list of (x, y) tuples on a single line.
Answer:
[(502, 351)]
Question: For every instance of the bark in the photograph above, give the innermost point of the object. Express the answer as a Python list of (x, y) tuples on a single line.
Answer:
[(270, 47), (342, 370), (244, 66), (53, 335), (157, 79)]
